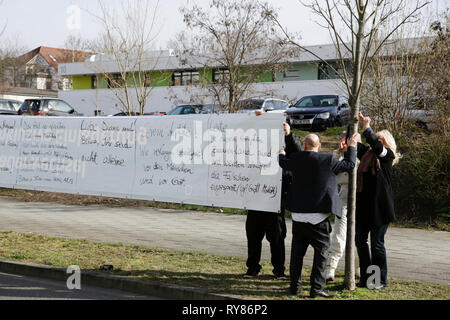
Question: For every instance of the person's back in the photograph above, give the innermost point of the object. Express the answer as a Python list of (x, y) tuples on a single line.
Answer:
[(313, 196), (314, 187)]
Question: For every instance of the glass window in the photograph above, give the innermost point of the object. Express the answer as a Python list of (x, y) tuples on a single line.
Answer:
[(4, 105), (16, 105), (219, 75), (270, 104), (35, 105), (317, 101), (251, 104), (59, 106), (280, 105), (175, 111), (185, 78)]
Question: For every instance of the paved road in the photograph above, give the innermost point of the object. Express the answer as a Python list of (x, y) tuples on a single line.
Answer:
[(15, 287), (412, 254)]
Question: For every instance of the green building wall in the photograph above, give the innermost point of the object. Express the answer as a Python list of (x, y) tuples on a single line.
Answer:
[(307, 71), (81, 82)]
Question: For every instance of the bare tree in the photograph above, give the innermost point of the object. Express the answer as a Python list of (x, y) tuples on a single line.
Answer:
[(127, 40), (232, 45), (13, 70), (395, 82), (358, 42)]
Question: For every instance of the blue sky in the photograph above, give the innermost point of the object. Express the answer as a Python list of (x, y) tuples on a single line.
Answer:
[(44, 22)]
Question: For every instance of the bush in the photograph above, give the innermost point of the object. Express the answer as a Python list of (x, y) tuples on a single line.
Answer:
[(421, 180)]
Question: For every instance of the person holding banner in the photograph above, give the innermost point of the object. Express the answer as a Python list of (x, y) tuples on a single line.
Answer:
[(272, 225), (312, 198), (374, 200), (339, 235)]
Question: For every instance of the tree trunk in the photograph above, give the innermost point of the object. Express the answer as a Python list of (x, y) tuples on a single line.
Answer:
[(349, 281)]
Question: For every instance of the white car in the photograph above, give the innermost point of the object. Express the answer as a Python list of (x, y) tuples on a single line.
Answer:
[(263, 104)]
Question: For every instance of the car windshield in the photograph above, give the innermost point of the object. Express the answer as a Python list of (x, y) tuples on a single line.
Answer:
[(251, 104), (184, 110), (317, 101), (16, 104), (4, 105), (211, 108)]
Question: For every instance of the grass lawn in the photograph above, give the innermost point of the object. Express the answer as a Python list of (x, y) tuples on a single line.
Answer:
[(212, 272)]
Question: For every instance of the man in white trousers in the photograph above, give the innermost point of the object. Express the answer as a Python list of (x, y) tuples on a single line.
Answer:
[(339, 235)]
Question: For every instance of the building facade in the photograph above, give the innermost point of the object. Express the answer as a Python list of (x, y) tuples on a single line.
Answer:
[(95, 82)]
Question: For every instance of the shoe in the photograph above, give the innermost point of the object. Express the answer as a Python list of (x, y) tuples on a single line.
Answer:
[(329, 275), (294, 290), (281, 276), (361, 284), (251, 274), (322, 294)]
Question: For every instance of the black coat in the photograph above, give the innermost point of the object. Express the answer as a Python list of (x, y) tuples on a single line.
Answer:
[(375, 204), (314, 189), (293, 145)]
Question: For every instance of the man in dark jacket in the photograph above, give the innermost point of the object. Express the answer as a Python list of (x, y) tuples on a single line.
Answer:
[(312, 198), (271, 224)]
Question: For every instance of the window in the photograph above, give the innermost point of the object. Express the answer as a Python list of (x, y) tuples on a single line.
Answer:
[(317, 101), (292, 74), (184, 78), (4, 105), (175, 112), (270, 105), (16, 105), (147, 80), (219, 75), (250, 104), (60, 106), (280, 105), (94, 82), (115, 80)]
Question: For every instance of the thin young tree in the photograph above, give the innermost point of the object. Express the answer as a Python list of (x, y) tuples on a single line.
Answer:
[(354, 28), (233, 44)]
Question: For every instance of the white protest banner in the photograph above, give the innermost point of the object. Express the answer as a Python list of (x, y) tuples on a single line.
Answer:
[(211, 160)]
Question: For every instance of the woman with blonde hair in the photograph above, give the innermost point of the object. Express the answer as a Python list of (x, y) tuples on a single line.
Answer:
[(374, 200)]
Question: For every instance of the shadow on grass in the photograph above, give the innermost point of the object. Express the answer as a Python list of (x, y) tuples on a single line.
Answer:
[(261, 287)]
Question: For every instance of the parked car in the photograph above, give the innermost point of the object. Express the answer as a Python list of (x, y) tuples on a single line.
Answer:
[(8, 107), (319, 112), (211, 108), (186, 109), (422, 114), (264, 105), (137, 114), (47, 107)]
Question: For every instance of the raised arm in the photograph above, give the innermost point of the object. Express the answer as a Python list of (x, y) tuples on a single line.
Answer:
[(349, 161), (293, 143), (377, 146)]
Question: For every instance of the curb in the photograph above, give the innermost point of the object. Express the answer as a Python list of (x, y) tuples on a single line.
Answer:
[(107, 281)]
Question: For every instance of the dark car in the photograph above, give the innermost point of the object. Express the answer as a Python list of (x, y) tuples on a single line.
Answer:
[(319, 112), (47, 107), (211, 108), (9, 107), (186, 109)]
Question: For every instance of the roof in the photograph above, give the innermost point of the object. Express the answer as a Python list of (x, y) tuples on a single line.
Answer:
[(55, 56), (107, 63), (28, 92)]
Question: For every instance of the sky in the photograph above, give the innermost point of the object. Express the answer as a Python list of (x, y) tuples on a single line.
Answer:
[(49, 22)]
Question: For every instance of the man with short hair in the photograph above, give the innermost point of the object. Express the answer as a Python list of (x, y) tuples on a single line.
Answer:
[(272, 225), (312, 198)]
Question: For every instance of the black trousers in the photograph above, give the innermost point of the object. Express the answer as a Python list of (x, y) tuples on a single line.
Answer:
[(377, 253), (273, 227), (318, 236)]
